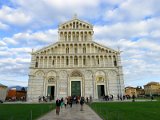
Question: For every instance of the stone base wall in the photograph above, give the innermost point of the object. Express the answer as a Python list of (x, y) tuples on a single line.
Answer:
[(38, 82)]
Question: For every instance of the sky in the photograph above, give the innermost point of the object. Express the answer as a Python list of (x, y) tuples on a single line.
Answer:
[(131, 25)]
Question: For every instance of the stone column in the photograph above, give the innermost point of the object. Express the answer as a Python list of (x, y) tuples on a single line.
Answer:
[(95, 61), (56, 61), (78, 60), (82, 60), (73, 61), (83, 36), (44, 88), (60, 62), (57, 86), (91, 60), (79, 36), (39, 62), (106, 60), (112, 63), (99, 60), (43, 62), (94, 87), (67, 37), (103, 61), (52, 62), (107, 84), (47, 62), (64, 61), (69, 61)]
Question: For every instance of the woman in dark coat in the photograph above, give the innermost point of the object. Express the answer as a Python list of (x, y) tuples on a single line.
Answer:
[(58, 104)]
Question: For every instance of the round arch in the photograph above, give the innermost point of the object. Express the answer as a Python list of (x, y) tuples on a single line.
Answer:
[(76, 83)]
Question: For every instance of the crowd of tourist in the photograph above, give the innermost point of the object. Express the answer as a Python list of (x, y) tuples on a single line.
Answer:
[(68, 101)]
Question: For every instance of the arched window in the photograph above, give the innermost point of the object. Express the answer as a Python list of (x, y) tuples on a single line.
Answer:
[(67, 50), (75, 60), (67, 61), (84, 61), (36, 65), (98, 61), (115, 61), (75, 49), (84, 49), (53, 62)]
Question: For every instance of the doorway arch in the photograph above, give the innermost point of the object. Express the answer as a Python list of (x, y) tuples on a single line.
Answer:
[(76, 84)]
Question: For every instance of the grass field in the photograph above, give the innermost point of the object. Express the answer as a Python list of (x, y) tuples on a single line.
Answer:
[(128, 110), (23, 111)]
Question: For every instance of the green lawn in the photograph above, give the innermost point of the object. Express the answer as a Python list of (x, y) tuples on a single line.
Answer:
[(23, 111), (128, 110)]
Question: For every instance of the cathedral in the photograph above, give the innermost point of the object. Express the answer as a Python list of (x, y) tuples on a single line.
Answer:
[(75, 66)]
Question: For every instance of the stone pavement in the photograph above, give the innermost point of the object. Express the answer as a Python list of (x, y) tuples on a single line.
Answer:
[(73, 113)]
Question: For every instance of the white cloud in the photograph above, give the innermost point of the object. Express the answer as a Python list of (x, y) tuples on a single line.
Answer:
[(120, 30), (13, 16), (8, 40), (47, 12), (131, 25), (2, 43), (133, 10), (32, 38), (3, 26)]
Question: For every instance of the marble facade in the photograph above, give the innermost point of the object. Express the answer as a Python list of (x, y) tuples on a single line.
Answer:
[(75, 57)]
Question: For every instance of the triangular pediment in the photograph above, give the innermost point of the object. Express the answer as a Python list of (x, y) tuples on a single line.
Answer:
[(75, 24), (46, 49)]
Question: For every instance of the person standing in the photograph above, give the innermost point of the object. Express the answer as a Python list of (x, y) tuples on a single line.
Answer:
[(87, 99), (70, 101), (58, 104), (62, 102), (81, 103), (65, 102), (133, 98), (90, 99)]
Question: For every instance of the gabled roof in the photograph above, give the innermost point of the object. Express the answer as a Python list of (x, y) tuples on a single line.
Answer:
[(104, 46), (75, 19), (92, 42), (48, 46)]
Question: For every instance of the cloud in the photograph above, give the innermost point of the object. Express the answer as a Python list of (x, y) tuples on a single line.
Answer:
[(8, 40), (132, 30), (14, 16), (46, 12), (3, 26), (32, 38), (15, 51), (2, 43), (131, 25), (133, 10)]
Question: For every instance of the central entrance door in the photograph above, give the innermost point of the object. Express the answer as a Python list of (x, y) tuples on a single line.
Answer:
[(51, 90), (101, 92), (75, 88)]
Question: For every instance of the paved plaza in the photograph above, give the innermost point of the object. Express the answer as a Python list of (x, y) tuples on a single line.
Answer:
[(73, 113)]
